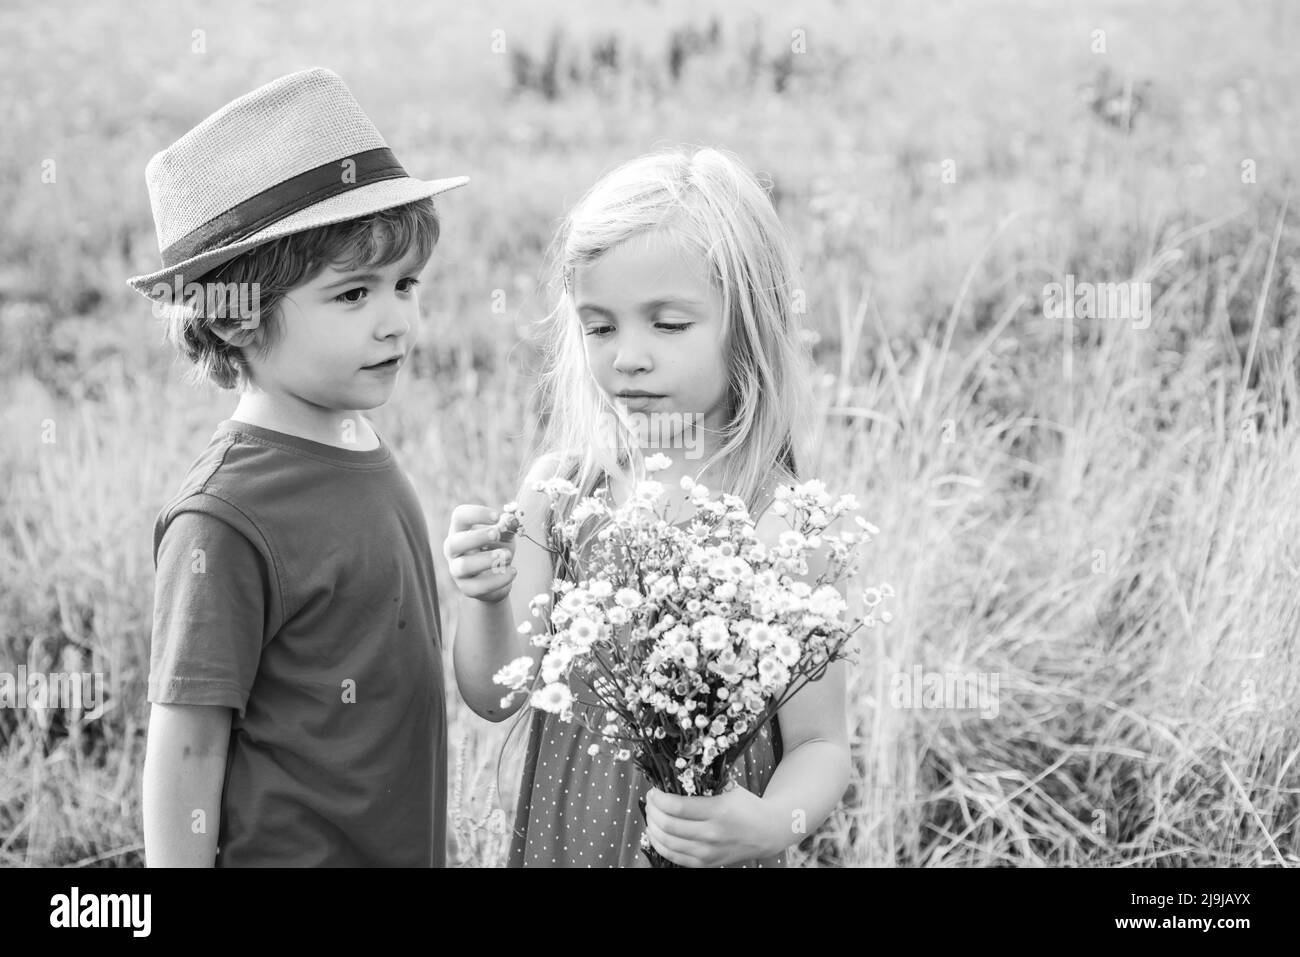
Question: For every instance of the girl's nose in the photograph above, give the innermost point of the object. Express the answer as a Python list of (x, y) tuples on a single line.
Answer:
[(631, 356)]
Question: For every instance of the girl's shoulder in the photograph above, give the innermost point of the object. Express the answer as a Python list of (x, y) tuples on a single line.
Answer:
[(546, 466), (776, 478)]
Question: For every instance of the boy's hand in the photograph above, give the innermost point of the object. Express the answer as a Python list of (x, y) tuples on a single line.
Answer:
[(479, 548)]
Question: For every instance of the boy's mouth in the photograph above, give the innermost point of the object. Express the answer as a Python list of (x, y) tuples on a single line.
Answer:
[(388, 365)]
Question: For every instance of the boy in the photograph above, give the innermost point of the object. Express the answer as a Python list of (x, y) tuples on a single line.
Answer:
[(298, 708)]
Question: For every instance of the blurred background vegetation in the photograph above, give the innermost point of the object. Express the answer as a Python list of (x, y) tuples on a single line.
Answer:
[(1105, 516)]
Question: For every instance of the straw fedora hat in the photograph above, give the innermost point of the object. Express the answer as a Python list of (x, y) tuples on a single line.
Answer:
[(292, 155)]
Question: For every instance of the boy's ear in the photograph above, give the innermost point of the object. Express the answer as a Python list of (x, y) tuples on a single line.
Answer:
[(238, 334)]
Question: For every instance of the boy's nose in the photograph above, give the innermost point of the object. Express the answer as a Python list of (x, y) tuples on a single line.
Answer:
[(396, 321)]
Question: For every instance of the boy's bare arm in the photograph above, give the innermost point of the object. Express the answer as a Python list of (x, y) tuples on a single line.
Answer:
[(184, 771)]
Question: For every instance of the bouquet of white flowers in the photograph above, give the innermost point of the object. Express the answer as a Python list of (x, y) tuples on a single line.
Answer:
[(690, 638)]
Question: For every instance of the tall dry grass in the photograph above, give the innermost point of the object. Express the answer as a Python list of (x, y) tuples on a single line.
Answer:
[(1102, 516)]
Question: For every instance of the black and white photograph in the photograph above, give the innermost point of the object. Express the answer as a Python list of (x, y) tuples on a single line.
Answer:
[(651, 434)]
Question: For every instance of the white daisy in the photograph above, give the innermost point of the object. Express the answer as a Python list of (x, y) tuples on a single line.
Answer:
[(728, 669), (583, 633), (866, 526), (555, 698), (772, 674), (687, 654), (648, 491), (787, 650), (790, 539), (514, 674), (554, 662), (712, 632), (761, 636), (846, 503), (826, 601)]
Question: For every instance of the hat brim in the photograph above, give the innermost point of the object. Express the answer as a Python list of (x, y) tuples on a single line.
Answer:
[(362, 201)]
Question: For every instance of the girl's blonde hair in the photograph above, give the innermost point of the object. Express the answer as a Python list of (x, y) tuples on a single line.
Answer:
[(708, 199)]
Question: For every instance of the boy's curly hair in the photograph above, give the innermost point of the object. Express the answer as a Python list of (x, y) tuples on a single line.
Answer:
[(279, 267)]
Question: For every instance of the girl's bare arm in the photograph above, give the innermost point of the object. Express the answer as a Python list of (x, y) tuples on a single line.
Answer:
[(492, 605)]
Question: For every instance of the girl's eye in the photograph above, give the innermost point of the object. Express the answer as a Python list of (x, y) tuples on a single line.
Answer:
[(673, 326), (597, 330), (409, 284)]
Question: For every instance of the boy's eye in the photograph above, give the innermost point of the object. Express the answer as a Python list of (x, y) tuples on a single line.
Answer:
[(354, 296)]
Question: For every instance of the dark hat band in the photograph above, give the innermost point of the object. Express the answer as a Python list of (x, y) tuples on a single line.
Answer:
[(284, 199)]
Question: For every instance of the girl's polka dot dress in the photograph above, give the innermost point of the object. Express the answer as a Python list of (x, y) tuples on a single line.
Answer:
[(581, 810)]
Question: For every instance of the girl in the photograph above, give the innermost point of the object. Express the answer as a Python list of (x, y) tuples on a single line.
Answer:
[(675, 323)]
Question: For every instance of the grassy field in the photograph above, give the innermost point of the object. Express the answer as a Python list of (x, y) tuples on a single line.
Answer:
[(1104, 514)]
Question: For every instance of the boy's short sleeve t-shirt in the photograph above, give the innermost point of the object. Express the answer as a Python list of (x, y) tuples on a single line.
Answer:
[(295, 584)]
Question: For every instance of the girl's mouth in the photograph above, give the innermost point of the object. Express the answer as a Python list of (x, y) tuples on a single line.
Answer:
[(632, 398), (388, 366)]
